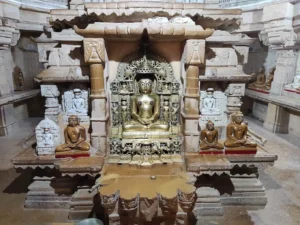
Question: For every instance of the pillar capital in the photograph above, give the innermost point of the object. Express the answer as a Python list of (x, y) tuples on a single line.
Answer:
[(195, 52), (94, 50)]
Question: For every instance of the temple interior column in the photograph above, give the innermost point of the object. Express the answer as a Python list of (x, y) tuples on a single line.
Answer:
[(277, 118), (94, 54), (194, 58)]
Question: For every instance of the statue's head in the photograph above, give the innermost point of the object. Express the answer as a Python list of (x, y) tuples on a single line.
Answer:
[(46, 128), (73, 121), (210, 92), (145, 85), (238, 118), (77, 93), (210, 125), (166, 102), (123, 102)]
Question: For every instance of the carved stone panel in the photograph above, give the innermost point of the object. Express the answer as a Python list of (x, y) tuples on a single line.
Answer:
[(47, 137), (194, 52), (75, 102), (94, 50), (235, 90), (221, 57)]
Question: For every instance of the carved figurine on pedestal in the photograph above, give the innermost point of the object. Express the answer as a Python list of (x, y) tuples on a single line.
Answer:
[(47, 136), (237, 141), (270, 79), (166, 109), (124, 107), (75, 140), (209, 106), (260, 79), (115, 113), (296, 83), (78, 103), (145, 109), (209, 138)]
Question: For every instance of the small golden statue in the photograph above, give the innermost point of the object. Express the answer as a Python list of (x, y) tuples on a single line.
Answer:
[(75, 138), (209, 138), (236, 133), (260, 79), (270, 79), (145, 105)]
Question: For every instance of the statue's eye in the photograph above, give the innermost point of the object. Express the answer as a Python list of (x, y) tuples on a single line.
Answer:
[(140, 103), (151, 103)]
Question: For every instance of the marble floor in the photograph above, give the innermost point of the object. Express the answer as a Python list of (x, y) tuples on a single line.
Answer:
[(282, 183)]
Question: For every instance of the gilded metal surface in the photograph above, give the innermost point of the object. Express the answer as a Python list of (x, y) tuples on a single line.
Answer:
[(145, 111)]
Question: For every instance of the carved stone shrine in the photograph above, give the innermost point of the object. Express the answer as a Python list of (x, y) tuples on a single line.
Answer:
[(148, 96)]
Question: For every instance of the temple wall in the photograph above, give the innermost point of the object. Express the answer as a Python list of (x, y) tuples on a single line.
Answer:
[(7, 66), (259, 110), (294, 123)]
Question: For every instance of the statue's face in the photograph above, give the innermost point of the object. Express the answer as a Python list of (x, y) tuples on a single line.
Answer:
[(238, 119), (77, 95), (209, 94), (175, 104), (166, 103), (145, 86), (46, 130), (73, 121), (210, 126)]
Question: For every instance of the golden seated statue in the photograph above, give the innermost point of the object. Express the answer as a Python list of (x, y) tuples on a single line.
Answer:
[(236, 133), (145, 110), (209, 138), (75, 140), (260, 79)]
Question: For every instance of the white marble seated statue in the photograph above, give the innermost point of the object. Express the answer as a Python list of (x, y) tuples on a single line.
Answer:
[(209, 104), (76, 104), (47, 136), (296, 82)]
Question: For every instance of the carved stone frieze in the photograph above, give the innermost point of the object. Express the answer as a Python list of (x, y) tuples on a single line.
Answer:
[(148, 208), (47, 137), (109, 202), (221, 57), (235, 90), (186, 200), (63, 56), (94, 50), (129, 207), (168, 206), (194, 52)]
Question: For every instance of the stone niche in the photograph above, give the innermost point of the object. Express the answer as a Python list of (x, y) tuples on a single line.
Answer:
[(213, 107), (146, 147)]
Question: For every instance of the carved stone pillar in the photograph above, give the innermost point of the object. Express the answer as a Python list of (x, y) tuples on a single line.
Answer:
[(194, 58), (234, 94), (94, 54), (277, 119), (286, 63), (50, 92)]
